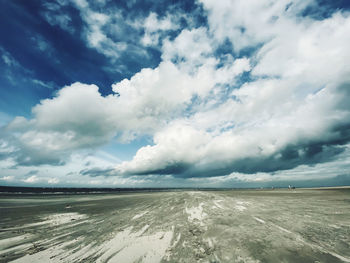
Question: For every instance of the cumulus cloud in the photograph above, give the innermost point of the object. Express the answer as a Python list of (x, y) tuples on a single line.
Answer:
[(75, 119), (78, 117), (260, 88), (293, 112)]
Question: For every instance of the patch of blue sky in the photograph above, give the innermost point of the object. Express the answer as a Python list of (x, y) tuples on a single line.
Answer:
[(225, 48), (20, 90), (5, 118), (69, 59), (126, 151), (323, 9)]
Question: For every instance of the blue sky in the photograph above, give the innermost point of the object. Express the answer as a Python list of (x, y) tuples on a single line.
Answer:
[(181, 93)]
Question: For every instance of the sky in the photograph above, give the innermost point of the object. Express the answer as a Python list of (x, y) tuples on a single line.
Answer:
[(205, 93)]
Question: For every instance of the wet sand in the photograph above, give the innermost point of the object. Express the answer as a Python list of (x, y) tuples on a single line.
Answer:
[(299, 225)]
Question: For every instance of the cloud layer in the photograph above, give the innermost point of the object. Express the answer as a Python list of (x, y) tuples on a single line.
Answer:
[(256, 87)]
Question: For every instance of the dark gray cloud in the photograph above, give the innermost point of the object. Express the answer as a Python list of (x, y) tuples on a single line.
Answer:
[(95, 172), (305, 153), (288, 158)]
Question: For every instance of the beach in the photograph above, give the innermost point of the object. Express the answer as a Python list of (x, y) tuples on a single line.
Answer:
[(280, 225)]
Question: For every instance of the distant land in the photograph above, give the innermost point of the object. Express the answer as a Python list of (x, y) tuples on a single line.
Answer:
[(86, 190)]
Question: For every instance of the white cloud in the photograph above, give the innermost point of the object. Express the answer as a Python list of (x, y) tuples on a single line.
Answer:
[(297, 102), (7, 178), (8, 59), (94, 30), (110, 33), (53, 181), (155, 27), (175, 147), (261, 125), (31, 179), (191, 46), (55, 16), (156, 95), (249, 23), (77, 118), (152, 23), (316, 53)]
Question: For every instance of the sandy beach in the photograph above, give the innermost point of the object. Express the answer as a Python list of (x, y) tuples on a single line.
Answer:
[(301, 225)]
